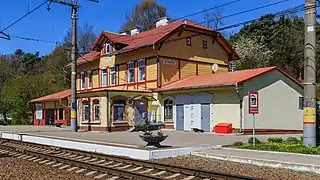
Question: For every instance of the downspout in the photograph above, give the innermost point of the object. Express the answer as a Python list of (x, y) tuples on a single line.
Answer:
[(108, 114), (158, 65), (240, 103)]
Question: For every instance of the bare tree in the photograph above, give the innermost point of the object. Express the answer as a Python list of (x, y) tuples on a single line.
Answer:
[(144, 16), (213, 18)]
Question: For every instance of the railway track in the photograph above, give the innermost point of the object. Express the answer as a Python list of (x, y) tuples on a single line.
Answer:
[(101, 166)]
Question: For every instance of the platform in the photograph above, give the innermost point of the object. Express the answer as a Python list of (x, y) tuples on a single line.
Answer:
[(122, 143), (293, 161)]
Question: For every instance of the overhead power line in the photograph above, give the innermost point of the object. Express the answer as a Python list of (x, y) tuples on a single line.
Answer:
[(21, 18), (199, 12), (34, 39), (246, 11)]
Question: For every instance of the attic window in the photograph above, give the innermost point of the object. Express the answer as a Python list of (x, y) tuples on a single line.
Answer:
[(188, 41), (204, 44), (108, 47)]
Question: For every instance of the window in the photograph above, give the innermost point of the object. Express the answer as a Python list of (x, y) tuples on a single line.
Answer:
[(89, 79), (82, 80), (131, 72), (60, 113), (112, 75), (86, 111), (119, 110), (188, 40), (168, 110), (301, 103), (96, 110), (142, 70), (204, 44), (108, 47), (104, 77)]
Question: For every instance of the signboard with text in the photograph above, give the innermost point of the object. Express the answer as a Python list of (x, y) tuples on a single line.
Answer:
[(253, 102)]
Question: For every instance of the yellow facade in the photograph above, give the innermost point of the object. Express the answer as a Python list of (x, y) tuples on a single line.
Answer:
[(171, 61)]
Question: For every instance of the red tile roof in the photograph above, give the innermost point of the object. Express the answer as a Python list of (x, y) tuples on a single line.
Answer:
[(92, 56), (55, 96), (220, 79)]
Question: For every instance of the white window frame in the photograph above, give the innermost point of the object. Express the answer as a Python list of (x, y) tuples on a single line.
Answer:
[(108, 46), (90, 82), (130, 68), (104, 73), (83, 112), (139, 71), (94, 111), (82, 80), (113, 73)]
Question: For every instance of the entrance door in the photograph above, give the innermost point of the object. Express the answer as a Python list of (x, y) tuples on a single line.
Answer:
[(180, 117), (205, 117), (140, 111), (49, 116)]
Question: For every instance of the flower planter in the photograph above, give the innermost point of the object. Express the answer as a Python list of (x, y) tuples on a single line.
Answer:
[(153, 140)]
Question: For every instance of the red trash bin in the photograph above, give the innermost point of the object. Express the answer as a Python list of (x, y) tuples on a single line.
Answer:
[(223, 128)]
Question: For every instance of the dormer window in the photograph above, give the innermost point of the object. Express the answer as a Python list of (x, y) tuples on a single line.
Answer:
[(204, 44), (108, 47)]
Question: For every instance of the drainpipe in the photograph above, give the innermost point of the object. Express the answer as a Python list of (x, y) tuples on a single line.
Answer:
[(240, 103), (108, 114)]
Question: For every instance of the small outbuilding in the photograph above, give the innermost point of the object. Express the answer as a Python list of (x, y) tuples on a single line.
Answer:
[(203, 101), (52, 109)]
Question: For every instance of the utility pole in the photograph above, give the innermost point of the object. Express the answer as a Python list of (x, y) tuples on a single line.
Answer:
[(309, 110), (74, 4), (74, 124)]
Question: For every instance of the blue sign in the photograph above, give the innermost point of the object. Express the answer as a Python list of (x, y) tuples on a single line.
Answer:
[(74, 105)]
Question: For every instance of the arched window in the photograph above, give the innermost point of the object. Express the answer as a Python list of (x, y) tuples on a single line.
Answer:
[(85, 111), (168, 110), (96, 110)]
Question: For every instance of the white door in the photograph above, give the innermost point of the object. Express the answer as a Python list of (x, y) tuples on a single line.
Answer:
[(195, 116), (187, 117)]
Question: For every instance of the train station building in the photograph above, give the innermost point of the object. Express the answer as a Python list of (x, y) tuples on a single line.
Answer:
[(177, 74)]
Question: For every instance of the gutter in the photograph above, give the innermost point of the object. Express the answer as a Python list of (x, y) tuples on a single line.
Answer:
[(195, 87), (240, 103)]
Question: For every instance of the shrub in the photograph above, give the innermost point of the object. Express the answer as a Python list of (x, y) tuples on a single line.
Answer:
[(237, 143), (275, 140), (250, 140), (58, 125), (292, 140), (301, 139), (318, 150), (273, 148)]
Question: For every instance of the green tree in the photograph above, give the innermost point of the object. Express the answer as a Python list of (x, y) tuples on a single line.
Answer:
[(283, 36), (144, 15)]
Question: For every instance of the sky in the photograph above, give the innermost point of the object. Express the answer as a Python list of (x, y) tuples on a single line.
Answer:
[(107, 15)]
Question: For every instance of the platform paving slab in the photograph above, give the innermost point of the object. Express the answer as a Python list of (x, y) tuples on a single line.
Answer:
[(293, 161)]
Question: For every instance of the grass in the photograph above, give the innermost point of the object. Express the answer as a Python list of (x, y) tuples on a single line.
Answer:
[(291, 144)]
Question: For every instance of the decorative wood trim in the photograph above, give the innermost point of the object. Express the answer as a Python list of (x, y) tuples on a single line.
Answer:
[(197, 69), (179, 68)]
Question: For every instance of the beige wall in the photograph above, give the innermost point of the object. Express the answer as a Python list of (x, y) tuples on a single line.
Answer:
[(103, 112), (226, 108), (278, 102), (178, 48)]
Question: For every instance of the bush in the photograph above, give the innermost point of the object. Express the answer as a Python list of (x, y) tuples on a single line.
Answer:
[(301, 139), (292, 140), (237, 143), (275, 140), (250, 140), (58, 124)]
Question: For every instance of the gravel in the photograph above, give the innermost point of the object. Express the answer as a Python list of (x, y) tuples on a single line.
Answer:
[(239, 168), (14, 168)]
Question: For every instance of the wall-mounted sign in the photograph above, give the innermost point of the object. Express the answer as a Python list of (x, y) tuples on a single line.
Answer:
[(253, 103), (171, 62), (39, 112), (108, 59)]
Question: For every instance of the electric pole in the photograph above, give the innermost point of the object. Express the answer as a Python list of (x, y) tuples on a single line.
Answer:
[(74, 16), (309, 110), (74, 124)]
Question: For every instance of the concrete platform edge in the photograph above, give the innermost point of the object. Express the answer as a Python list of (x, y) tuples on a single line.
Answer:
[(104, 149), (262, 162)]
